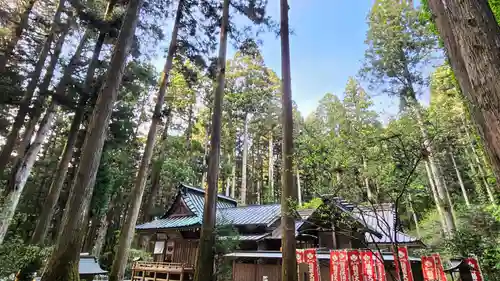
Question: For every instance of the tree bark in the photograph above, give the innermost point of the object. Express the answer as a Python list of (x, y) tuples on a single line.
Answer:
[(367, 180), (233, 175), (205, 258), (17, 33), (288, 192), (189, 129), (482, 173), (57, 184), (23, 171), (244, 163), (435, 196), (460, 181), (414, 215), (128, 228), (30, 90), (299, 189), (63, 262), (471, 37), (156, 173), (270, 172), (440, 186), (228, 183), (42, 97)]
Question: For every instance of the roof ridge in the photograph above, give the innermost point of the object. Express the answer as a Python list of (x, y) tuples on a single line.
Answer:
[(200, 190), (250, 206)]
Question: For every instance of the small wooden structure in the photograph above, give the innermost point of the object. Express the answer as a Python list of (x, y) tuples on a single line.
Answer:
[(159, 271)]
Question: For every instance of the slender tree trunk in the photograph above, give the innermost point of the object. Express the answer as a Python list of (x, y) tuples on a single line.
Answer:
[(440, 186), (205, 157), (482, 173), (228, 182), (288, 194), (17, 32), (299, 189), (366, 180), (435, 196), (270, 172), (45, 218), (43, 88), (156, 173), (127, 230), (30, 90), (471, 36), (205, 259), (101, 235), (244, 164), (460, 181), (414, 215), (189, 129), (23, 171), (233, 175), (63, 262)]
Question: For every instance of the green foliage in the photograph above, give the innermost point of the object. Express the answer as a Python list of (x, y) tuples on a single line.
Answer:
[(15, 254), (312, 204), (399, 49), (227, 241), (479, 235)]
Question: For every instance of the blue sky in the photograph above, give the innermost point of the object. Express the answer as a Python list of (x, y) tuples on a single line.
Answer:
[(326, 48)]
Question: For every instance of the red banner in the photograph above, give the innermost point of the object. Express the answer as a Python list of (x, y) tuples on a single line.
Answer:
[(429, 268), (312, 260), (379, 264), (344, 265), (355, 265), (300, 256), (439, 267), (404, 261), (475, 270), (334, 266), (368, 265)]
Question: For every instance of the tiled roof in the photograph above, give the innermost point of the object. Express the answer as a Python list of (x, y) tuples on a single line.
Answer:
[(227, 212), (88, 266), (278, 232), (174, 222), (249, 215), (195, 200), (383, 218)]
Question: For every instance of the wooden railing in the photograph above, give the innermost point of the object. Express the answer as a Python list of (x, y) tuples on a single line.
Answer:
[(169, 267), (159, 271)]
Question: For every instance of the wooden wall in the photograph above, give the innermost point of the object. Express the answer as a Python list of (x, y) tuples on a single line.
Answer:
[(255, 272)]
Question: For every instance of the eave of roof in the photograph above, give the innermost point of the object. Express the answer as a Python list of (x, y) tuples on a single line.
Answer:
[(256, 237), (322, 255)]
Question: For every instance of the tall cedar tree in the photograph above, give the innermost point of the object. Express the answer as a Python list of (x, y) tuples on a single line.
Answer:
[(56, 186), (33, 78), (205, 259), (471, 34), (128, 227), (63, 262), (288, 190)]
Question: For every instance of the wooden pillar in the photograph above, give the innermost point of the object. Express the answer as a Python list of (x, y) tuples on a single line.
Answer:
[(234, 269)]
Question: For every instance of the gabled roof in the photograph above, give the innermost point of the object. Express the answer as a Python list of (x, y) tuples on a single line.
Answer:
[(227, 212), (278, 231), (383, 218)]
